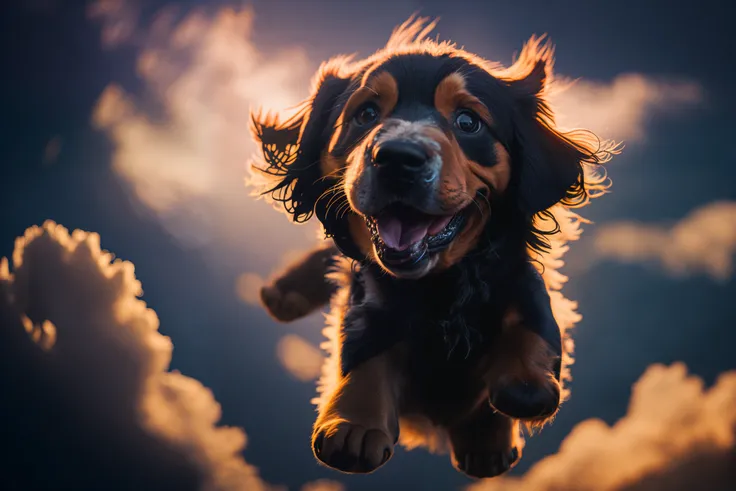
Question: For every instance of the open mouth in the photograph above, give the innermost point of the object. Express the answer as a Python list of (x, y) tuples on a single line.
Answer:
[(403, 235)]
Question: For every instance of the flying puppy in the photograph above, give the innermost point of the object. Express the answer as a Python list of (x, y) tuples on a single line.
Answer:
[(432, 170)]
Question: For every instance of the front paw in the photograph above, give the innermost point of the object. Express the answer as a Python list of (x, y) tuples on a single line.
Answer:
[(284, 306), (486, 463), (530, 401), (351, 448)]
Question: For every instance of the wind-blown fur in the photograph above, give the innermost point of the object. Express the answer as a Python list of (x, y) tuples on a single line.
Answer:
[(541, 227)]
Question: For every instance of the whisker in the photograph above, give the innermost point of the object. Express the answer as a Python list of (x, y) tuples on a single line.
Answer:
[(335, 200), (344, 209)]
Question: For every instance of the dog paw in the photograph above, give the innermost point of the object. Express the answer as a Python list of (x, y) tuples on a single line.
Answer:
[(485, 464), (526, 400), (284, 306), (351, 448)]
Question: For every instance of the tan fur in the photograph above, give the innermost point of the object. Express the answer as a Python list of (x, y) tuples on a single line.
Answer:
[(381, 89), (521, 356), (360, 234), (497, 177), (361, 415), (461, 180), (466, 240), (451, 94)]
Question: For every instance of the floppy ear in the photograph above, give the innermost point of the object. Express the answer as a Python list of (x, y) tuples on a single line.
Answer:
[(292, 149), (550, 162)]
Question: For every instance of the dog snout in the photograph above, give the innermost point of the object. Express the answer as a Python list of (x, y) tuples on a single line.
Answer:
[(400, 156)]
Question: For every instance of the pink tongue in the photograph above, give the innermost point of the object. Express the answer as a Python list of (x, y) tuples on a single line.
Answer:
[(399, 235)]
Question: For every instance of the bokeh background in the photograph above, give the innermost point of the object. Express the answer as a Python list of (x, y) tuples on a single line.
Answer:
[(130, 119)]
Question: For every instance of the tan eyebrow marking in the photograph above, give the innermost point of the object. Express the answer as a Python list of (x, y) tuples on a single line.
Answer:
[(452, 94), (381, 88)]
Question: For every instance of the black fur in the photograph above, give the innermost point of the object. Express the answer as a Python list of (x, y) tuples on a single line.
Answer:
[(462, 306), (451, 319), (456, 312), (547, 165)]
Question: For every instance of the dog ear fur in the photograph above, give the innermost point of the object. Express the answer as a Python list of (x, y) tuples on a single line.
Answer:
[(292, 149), (550, 162)]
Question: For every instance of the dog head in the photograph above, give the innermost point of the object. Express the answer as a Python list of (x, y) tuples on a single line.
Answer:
[(405, 155)]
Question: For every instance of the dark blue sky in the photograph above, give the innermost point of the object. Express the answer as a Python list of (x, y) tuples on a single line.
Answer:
[(55, 70)]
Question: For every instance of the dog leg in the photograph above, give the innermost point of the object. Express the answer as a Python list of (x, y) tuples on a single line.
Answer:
[(301, 288), (524, 375), (522, 381), (357, 429), (485, 444)]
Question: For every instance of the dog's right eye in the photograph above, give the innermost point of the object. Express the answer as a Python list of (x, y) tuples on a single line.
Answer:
[(368, 114)]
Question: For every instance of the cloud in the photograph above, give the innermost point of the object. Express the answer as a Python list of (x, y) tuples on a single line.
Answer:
[(91, 403), (620, 109), (119, 19), (675, 436), (703, 242), (323, 485), (185, 153), (300, 358), (248, 287)]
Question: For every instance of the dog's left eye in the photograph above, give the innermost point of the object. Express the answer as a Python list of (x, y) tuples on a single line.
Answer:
[(366, 115), (468, 122)]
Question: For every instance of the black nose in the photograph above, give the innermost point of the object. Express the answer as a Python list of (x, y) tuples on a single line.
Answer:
[(394, 153)]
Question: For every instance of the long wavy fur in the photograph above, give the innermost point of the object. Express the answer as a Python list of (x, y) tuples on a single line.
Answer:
[(549, 231)]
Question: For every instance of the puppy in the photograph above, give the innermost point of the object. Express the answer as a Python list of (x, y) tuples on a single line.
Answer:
[(432, 170)]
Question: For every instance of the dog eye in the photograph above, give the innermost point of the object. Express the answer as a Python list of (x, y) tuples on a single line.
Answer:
[(467, 122), (367, 114)]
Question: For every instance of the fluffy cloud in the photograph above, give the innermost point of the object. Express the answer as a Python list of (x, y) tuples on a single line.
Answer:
[(89, 401), (620, 109), (300, 358), (185, 156), (675, 436), (323, 485), (704, 242)]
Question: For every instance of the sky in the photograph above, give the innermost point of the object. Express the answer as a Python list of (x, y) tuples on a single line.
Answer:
[(128, 120)]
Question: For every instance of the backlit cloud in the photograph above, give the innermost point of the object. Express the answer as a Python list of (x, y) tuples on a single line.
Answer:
[(323, 485), (675, 436), (703, 242), (620, 109), (188, 162), (300, 358), (87, 379)]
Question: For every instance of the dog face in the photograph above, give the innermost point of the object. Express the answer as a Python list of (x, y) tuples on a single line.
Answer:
[(421, 157), (409, 152)]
